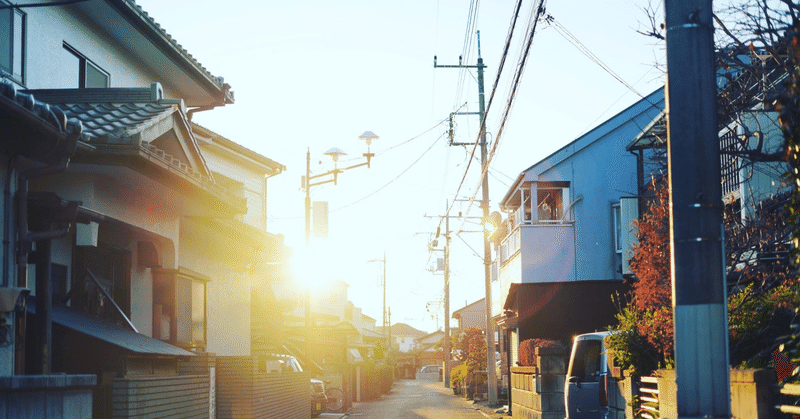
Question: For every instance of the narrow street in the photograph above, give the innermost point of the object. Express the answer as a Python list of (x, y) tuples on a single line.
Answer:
[(417, 399)]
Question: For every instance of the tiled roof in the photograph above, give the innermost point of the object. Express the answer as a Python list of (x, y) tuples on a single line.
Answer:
[(35, 129), (218, 80), (115, 123), (53, 115)]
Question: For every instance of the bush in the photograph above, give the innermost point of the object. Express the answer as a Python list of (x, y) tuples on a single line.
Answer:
[(527, 350), (458, 374), (377, 380)]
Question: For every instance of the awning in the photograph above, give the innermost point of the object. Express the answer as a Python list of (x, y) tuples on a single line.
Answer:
[(354, 357), (111, 333)]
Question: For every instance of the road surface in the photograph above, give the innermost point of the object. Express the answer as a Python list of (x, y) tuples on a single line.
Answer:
[(417, 399)]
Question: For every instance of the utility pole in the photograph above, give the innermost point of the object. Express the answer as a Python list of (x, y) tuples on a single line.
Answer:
[(487, 251), (698, 279), (447, 349), (385, 325), (447, 341)]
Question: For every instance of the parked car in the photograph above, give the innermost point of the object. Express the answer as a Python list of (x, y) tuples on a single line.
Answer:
[(586, 387), (281, 363), (318, 399), (275, 363)]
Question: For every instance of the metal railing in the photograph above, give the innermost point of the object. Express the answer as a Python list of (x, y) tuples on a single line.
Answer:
[(648, 395), (791, 390)]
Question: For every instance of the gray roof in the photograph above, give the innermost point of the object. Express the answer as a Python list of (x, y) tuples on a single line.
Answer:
[(114, 334)]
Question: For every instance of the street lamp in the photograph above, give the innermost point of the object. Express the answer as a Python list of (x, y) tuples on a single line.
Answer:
[(319, 179), (368, 137)]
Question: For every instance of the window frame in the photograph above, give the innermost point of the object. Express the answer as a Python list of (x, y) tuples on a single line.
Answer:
[(561, 191), (166, 307), (83, 66), (16, 40), (616, 216)]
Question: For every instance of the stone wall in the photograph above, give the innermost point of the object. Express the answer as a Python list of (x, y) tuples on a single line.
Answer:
[(538, 392)]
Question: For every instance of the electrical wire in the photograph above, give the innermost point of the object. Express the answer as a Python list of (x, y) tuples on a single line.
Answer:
[(393, 180), (503, 57), (587, 52), (532, 24)]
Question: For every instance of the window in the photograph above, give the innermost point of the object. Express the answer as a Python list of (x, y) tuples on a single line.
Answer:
[(80, 72), (179, 307), (12, 42), (729, 162), (616, 214), (111, 268), (551, 201)]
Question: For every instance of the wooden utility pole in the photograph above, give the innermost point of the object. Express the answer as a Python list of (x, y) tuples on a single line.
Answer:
[(698, 280)]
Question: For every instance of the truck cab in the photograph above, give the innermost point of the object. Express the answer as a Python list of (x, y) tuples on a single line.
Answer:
[(586, 386)]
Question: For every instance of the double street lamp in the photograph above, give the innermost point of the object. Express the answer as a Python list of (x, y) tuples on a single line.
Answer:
[(329, 176), (333, 174)]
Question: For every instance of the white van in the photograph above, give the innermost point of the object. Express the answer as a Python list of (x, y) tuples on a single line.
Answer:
[(586, 386)]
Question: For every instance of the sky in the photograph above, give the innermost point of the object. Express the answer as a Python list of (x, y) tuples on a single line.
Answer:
[(312, 75)]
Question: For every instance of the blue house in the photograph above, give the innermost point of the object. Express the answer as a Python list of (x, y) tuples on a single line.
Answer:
[(566, 224)]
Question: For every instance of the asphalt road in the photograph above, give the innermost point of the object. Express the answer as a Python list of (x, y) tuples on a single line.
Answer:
[(417, 399)]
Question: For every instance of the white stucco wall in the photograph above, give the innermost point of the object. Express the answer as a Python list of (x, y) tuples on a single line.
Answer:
[(48, 28)]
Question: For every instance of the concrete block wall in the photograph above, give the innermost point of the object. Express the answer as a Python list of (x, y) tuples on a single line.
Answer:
[(538, 392), (752, 395)]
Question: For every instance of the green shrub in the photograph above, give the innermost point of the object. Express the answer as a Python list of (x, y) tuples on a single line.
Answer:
[(377, 379)]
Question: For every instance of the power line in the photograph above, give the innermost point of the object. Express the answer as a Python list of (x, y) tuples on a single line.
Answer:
[(393, 180), (532, 24), (503, 57), (587, 52)]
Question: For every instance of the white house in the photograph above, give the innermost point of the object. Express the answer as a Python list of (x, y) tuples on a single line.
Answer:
[(142, 236)]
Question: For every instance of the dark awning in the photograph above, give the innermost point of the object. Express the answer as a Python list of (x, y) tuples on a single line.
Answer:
[(111, 333)]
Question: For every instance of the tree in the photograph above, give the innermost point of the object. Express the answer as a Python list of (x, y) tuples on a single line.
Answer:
[(757, 48)]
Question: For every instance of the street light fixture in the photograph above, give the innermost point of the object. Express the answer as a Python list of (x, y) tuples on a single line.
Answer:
[(319, 179), (335, 153)]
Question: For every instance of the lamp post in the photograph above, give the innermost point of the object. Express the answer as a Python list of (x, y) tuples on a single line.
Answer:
[(310, 180), (368, 137)]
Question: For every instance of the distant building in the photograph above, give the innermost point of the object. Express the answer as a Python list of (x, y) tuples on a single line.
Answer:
[(471, 315), (404, 337)]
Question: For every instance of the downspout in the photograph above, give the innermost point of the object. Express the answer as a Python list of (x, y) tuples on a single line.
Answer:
[(7, 203), (639, 179), (43, 328), (26, 237)]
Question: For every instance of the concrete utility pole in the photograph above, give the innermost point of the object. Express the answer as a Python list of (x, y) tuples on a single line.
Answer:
[(385, 325), (487, 250), (447, 332), (698, 279), (447, 349)]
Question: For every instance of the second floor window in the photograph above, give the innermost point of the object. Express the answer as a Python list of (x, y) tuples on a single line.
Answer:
[(12, 42), (80, 72), (179, 307), (550, 201)]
